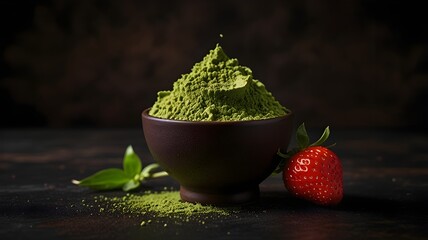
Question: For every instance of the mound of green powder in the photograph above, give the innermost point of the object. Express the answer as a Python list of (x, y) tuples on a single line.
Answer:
[(162, 204), (153, 206), (217, 89)]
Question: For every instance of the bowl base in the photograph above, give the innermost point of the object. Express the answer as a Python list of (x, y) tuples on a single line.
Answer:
[(220, 198)]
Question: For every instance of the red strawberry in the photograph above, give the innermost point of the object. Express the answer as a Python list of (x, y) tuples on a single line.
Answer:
[(313, 173)]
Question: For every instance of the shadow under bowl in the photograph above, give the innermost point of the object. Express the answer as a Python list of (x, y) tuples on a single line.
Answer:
[(217, 163)]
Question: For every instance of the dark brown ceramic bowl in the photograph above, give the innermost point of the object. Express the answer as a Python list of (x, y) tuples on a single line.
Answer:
[(218, 163)]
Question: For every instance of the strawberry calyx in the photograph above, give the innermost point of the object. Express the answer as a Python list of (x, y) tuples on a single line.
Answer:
[(303, 141)]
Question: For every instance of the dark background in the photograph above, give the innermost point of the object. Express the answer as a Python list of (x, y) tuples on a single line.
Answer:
[(355, 63)]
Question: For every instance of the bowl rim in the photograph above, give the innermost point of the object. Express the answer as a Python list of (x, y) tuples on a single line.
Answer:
[(145, 114)]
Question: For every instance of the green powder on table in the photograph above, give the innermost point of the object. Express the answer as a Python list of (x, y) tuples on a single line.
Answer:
[(217, 89), (162, 204), (153, 206)]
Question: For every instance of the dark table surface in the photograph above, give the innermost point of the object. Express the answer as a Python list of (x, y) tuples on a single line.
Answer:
[(385, 182)]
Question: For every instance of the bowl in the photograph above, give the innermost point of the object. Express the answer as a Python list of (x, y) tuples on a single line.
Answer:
[(217, 163)]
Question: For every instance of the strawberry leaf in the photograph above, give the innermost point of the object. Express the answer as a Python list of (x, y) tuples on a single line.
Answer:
[(323, 137), (131, 163), (302, 137)]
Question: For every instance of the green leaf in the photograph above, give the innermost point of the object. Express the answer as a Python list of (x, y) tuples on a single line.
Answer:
[(302, 137), (130, 185), (284, 158), (282, 155), (131, 163), (281, 163), (111, 178), (323, 137)]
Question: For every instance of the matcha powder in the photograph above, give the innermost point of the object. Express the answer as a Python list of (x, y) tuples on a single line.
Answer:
[(217, 89), (165, 204)]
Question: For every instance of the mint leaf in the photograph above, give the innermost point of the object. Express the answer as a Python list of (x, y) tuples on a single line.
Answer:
[(107, 179), (128, 179), (131, 163), (323, 137), (302, 137), (130, 185)]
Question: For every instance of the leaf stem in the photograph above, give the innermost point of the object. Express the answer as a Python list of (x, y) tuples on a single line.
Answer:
[(74, 181), (159, 174), (146, 173)]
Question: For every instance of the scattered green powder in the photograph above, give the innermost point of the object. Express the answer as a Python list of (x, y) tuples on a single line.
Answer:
[(165, 204), (217, 89), (162, 204)]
